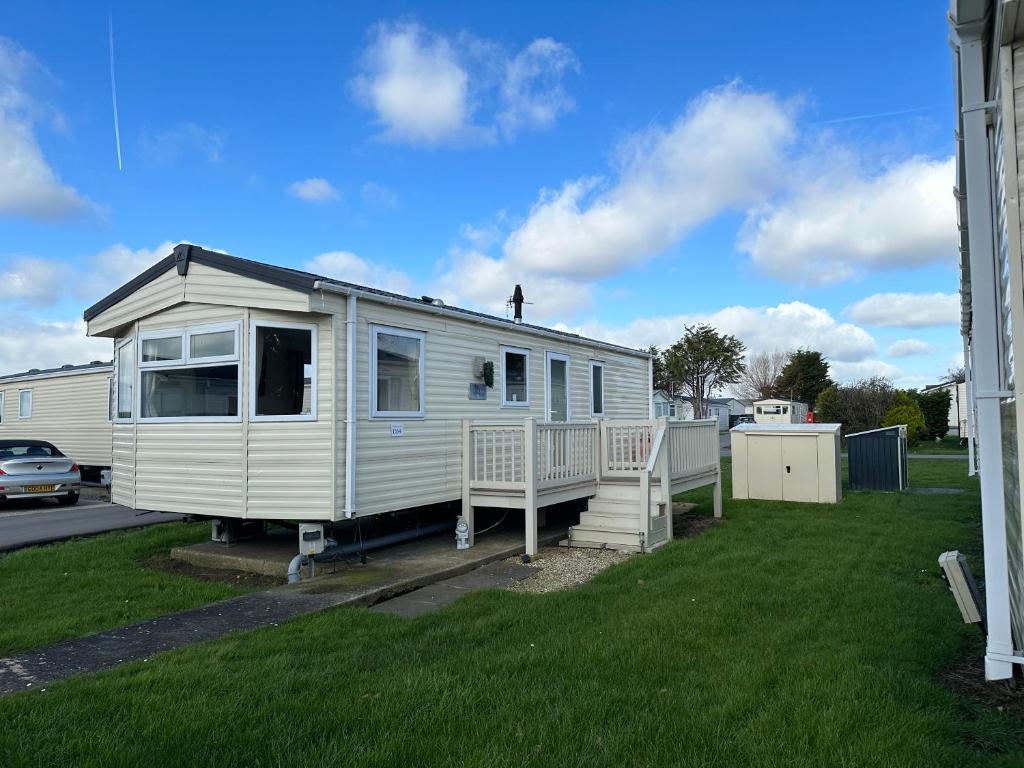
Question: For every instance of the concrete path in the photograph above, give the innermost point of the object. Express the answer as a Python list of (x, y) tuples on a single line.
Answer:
[(29, 527), (430, 598), (389, 573)]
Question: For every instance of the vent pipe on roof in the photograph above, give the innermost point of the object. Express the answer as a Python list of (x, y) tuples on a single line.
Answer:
[(517, 301)]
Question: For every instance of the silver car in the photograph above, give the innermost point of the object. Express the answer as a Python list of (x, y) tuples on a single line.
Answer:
[(32, 469)]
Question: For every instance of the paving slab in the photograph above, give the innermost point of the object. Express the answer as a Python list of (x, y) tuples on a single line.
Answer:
[(388, 573), (434, 596)]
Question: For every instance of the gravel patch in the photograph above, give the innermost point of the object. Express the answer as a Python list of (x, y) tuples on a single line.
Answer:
[(563, 567)]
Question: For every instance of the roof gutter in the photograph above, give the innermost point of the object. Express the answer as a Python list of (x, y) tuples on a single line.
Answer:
[(320, 285)]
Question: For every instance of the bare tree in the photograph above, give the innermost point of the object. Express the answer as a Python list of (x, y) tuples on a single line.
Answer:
[(762, 374), (956, 375)]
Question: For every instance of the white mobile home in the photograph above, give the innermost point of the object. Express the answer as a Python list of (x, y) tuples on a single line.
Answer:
[(957, 405), (248, 391), (776, 411), (67, 406), (671, 407)]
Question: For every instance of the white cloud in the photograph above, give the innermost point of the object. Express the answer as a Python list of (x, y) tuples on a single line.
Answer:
[(533, 90), (725, 151), (426, 88), (842, 222), (315, 190), (29, 187), (346, 266), (169, 146), (908, 348), (906, 310), (785, 326), (477, 280), (28, 343), (414, 82), (31, 280), (379, 196)]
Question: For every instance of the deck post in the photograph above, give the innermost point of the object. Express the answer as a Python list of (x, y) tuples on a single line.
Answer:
[(467, 465), (718, 493), (530, 482), (666, 477)]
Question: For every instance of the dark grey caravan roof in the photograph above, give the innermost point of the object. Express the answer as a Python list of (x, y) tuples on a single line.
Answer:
[(297, 280), (32, 372)]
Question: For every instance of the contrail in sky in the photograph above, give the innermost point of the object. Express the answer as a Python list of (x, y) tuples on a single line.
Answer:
[(876, 114), (113, 92)]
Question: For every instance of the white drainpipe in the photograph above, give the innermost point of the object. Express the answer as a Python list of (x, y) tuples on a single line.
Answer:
[(968, 38), (350, 407)]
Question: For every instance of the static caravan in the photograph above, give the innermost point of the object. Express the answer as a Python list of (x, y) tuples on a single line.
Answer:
[(957, 421), (776, 411), (68, 406), (670, 407), (245, 391)]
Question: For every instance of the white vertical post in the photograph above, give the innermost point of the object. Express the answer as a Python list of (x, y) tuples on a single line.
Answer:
[(718, 493), (529, 478), (976, 181), (665, 461), (467, 469)]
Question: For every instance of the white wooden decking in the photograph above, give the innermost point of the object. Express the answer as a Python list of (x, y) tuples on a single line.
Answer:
[(629, 469)]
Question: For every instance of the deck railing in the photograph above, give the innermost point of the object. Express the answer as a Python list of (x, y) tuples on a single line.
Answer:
[(527, 460)]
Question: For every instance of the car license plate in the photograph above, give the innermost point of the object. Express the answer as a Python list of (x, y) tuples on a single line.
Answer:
[(39, 488)]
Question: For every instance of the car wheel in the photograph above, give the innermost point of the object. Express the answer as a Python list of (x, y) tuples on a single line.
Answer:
[(70, 499)]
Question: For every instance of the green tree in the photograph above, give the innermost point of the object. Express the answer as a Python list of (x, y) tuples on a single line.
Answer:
[(702, 362), (828, 408), (906, 411), (935, 407), (661, 378), (804, 377)]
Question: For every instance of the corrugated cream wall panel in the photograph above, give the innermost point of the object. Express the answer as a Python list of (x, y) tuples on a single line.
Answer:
[(191, 468), (166, 291), (122, 489), (214, 286), (291, 465), (191, 314), (68, 411), (424, 466)]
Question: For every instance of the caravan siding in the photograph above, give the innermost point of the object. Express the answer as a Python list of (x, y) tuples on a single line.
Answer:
[(423, 465), (69, 411)]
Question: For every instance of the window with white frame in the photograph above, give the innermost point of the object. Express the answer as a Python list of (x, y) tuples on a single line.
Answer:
[(189, 374), (397, 365), (124, 377), (515, 377), (111, 399), (25, 404), (283, 371), (596, 388), (2, 403)]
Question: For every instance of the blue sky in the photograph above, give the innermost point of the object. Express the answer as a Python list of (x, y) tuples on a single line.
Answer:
[(785, 176)]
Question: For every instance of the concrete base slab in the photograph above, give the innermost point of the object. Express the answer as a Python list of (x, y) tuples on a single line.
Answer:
[(266, 555), (430, 598)]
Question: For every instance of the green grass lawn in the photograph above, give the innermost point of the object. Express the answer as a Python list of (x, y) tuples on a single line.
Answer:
[(76, 587), (789, 635), (948, 445)]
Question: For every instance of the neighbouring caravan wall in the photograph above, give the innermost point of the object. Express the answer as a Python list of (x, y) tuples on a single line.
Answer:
[(777, 411), (69, 407), (295, 467)]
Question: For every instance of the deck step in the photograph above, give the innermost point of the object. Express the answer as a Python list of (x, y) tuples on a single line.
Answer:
[(615, 507), (611, 490), (603, 539)]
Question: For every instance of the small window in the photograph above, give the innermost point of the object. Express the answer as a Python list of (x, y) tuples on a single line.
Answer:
[(283, 372), (162, 350), (174, 393), (25, 404), (396, 372), (2, 407), (597, 388), (110, 399), (785, 410), (211, 344), (125, 377), (515, 377)]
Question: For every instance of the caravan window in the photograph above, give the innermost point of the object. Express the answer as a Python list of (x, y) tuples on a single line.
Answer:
[(596, 388), (187, 374), (2, 407), (125, 377), (283, 372), (515, 377), (396, 372), (25, 404)]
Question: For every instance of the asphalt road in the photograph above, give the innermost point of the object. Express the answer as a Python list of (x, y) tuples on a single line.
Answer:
[(42, 521)]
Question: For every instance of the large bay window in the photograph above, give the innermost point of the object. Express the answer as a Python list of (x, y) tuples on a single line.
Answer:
[(515, 377), (396, 372), (282, 371), (186, 374)]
